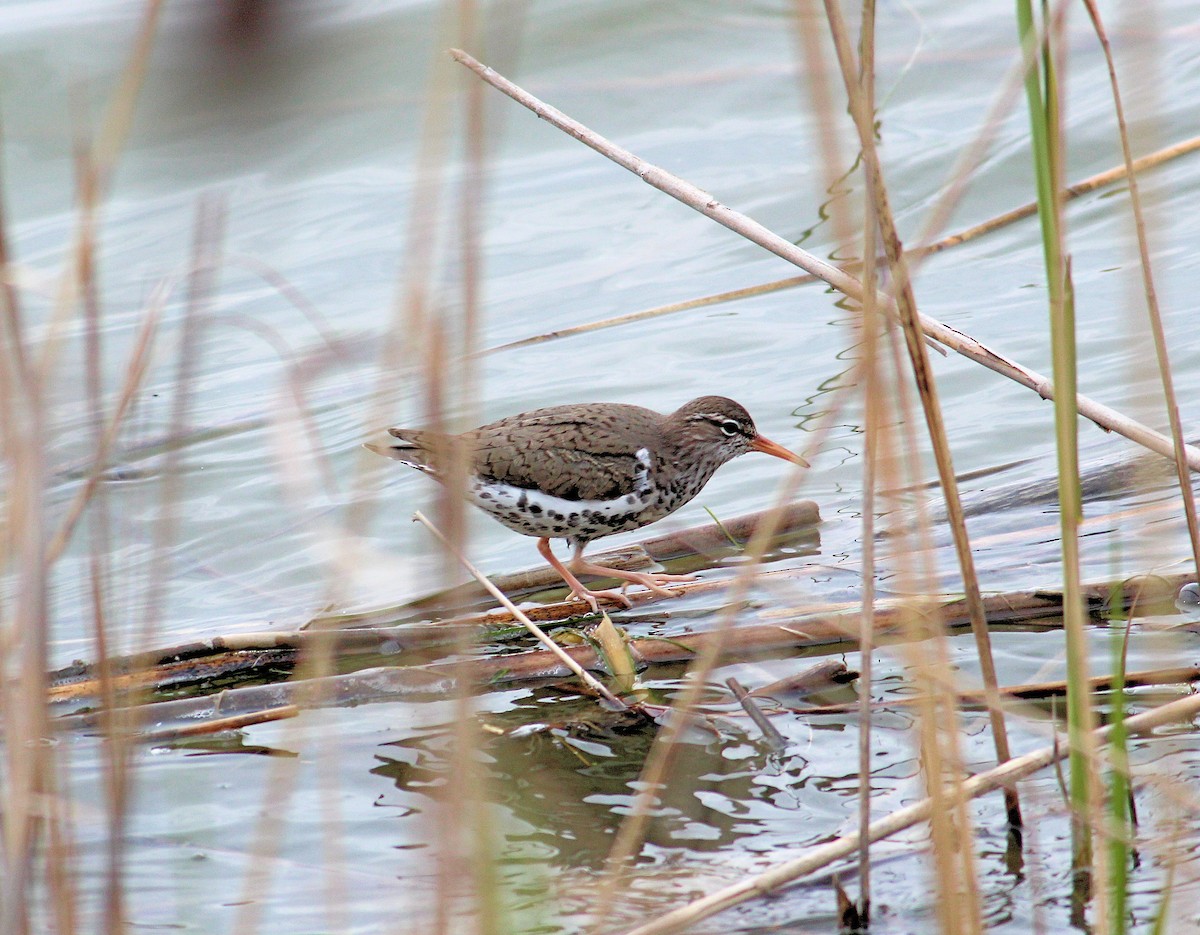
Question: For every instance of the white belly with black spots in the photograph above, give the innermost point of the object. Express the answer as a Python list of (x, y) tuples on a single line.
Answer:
[(538, 514), (535, 513)]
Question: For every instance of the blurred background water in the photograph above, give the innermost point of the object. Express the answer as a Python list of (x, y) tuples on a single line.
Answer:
[(307, 127)]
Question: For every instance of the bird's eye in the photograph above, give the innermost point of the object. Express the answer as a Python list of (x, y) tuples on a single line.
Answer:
[(730, 428)]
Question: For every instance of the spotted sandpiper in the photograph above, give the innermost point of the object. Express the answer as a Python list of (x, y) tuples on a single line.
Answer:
[(583, 471)]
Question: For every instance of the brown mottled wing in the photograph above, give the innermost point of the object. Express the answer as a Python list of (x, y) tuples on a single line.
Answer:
[(584, 452)]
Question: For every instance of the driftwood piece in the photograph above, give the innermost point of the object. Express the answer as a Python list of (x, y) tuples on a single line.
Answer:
[(824, 675), (769, 731), (237, 722), (1175, 675)]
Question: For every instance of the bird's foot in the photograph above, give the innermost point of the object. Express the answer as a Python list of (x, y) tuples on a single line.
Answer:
[(593, 597), (652, 580), (656, 582)]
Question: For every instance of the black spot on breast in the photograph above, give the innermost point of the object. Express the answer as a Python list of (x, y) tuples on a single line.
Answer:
[(485, 496), (534, 509)]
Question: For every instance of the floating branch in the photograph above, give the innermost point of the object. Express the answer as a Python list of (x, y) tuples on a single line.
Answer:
[(1104, 416)]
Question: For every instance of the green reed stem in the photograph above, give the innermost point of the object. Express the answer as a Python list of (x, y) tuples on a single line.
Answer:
[(1119, 811), (1042, 93)]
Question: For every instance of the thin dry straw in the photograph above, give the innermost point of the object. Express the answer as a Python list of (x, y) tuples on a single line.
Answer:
[(812, 51), (410, 325), (701, 201), (586, 677), (1152, 309), (135, 371), (114, 130), (24, 630), (823, 855), (870, 323)]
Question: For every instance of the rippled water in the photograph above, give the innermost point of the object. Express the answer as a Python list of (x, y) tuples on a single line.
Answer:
[(310, 143)]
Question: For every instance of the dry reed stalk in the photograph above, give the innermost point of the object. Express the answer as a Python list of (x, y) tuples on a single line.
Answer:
[(959, 905), (872, 322), (701, 201), (299, 466), (466, 858), (820, 856), (406, 339), (964, 167), (117, 775), (1162, 355), (24, 627), (203, 272), (135, 371), (811, 50), (872, 390), (919, 623), (26, 385), (1120, 817), (927, 388)]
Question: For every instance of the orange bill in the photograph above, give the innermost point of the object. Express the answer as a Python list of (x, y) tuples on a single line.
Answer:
[(768, 447)]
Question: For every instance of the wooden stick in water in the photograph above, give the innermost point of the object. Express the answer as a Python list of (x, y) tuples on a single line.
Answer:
[(1104, 416)]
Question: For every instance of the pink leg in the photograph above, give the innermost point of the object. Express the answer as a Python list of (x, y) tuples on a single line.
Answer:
[(652, 581), (577, 588)]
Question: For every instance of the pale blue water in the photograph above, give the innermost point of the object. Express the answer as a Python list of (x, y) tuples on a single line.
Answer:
[(311, 145)]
